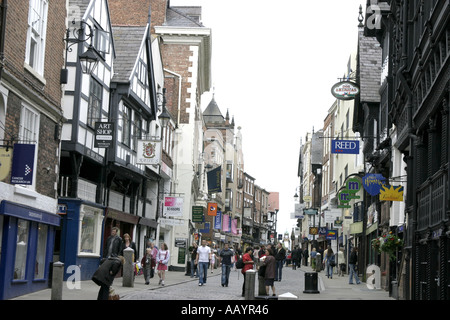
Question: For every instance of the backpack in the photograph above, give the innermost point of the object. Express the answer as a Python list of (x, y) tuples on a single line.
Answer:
[(240, 264)]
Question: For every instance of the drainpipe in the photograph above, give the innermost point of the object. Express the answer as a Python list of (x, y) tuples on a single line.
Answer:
[(175, 171), (3, 6), (411, 164)]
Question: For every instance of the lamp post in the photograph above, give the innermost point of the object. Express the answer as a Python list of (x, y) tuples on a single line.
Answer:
[(89, 59), (164, 117)]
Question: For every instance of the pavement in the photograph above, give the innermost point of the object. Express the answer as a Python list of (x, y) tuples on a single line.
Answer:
[(293, 284)]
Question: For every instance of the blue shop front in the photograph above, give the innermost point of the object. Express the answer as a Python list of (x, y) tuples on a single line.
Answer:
[(81, 236), (27, 238)]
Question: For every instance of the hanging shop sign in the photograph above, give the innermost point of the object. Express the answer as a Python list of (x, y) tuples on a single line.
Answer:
[(345, 90), (197, 214), (344, 147), (104, 134), (310, 211), (391, 193), (331, 234), (212, 209), (173, 207), (23, 164), (373, 182), (148, 152), (5, 162)]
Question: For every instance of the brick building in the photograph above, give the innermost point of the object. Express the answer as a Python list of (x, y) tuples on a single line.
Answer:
[(31, 57)]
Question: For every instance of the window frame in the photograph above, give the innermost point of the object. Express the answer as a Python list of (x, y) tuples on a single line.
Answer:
[(36, 37)]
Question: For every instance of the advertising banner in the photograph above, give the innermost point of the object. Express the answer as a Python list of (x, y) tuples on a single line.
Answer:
[(226, 223), (23, 164), (234, 230), (173, 207), (215, 180), (218, 220)]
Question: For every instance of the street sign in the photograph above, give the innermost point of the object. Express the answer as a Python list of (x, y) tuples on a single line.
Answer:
[(310, 211)]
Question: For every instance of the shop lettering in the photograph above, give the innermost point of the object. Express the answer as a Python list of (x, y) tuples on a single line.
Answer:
[(345, 145)]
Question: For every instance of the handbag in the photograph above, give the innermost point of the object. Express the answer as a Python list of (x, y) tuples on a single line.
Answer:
[(262, 271)]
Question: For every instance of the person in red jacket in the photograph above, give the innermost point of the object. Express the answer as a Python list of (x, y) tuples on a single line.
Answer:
[(248, 265)]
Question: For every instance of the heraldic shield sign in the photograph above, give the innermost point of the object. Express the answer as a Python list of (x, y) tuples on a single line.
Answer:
[(149, 152)]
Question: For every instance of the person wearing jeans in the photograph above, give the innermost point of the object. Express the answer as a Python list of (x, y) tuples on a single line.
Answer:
[(280, 256), (352, 266), (203, 257), (226, 255)]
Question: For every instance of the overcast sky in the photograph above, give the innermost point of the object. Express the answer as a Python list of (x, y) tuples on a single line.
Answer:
[(273, 66)]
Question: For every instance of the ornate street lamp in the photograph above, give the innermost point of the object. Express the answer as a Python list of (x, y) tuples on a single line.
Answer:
[(89, 59), (164, 117)]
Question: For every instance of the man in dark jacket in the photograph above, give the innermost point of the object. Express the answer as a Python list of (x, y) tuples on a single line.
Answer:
[(280, 256), (105, 274), (113, 244), (352, 261)]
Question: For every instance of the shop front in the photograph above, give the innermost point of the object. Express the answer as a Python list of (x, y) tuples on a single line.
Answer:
[(81, 236), (27, 238)]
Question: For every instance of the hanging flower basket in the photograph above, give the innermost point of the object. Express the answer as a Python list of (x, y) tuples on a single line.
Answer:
[(388, 243)]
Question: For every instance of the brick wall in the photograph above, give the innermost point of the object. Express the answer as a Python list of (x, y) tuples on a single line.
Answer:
[(135, 12), (15, 47), (45, 97), (176, 59)]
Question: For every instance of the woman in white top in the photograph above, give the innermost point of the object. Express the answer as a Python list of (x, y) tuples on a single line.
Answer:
[(162, 258)]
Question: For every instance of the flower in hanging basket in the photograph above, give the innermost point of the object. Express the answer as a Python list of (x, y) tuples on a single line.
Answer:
[(388, 243)]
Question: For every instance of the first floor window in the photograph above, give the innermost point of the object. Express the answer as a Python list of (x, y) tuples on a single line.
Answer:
[(95, 103)]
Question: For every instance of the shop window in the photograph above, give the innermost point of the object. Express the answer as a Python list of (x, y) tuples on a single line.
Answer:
[(90, 230), (21, 249), (41, 254)]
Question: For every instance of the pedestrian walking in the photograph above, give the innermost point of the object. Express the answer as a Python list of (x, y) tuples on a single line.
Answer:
[(294, 256), (154, 251), (269, 277), (329, 262), (341, 261), (194, 270), (202, 260), (313, 258), (146, 263), (105, 274), (248, 265), (226, 259), (213, 258), (113, 244), (127, 243), (352, 261), (162, 258), (306, 256), (280, 256)]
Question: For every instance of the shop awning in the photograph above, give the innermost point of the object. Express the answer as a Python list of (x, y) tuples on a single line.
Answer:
[(29, 213)]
